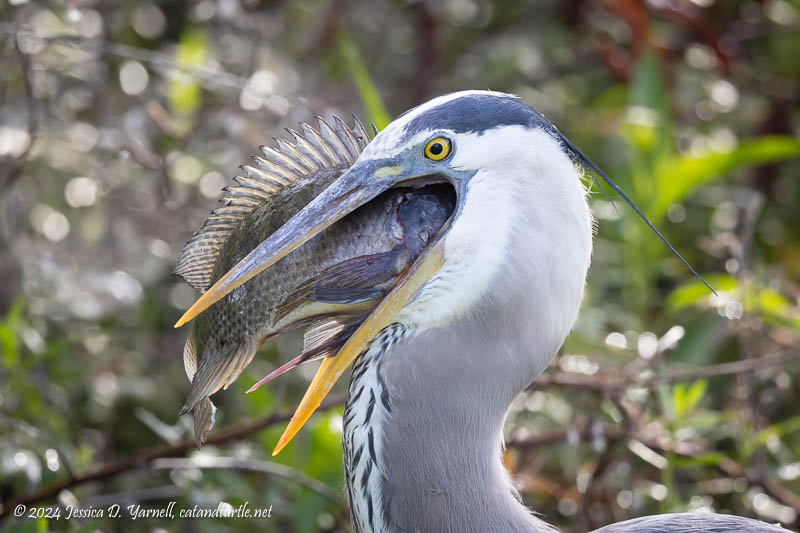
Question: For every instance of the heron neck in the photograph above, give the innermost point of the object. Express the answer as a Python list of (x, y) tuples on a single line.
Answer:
[(435, 462)]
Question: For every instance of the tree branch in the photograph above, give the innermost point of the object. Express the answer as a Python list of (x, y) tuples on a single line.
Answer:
[(252, 465), (209, 75), (609, 381), (144, 457), (590, 430), (12, 167)]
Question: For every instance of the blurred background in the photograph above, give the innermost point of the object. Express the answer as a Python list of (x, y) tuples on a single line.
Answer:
[(121, 121)]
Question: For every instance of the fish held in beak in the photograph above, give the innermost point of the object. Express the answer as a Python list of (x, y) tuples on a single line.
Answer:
[(330, 284), (360, 184), (356, 187)]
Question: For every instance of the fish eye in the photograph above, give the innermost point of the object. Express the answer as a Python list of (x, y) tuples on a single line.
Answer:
[(437, 148)]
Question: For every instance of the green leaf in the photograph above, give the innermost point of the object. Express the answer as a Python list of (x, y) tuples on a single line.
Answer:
[(678, 176), (767, 304), (611, 99), (780, 429), (706, 459), (648, 128), (9, 331), (774, 308), (38, 525), (702, 420), (695, 293), (370, 96), (685, 398), (647, 87), (695, 393)]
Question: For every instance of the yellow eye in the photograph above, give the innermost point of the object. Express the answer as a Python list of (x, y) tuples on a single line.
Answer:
[(437, 149)]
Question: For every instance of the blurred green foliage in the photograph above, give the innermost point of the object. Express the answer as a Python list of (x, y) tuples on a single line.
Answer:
[(185, 93), (122, 120), (370, 97)]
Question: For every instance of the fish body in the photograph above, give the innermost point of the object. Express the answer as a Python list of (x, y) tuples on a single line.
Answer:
[(330, 283)]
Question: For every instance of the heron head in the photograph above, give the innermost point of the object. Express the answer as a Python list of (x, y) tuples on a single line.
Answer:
[(472, 140)]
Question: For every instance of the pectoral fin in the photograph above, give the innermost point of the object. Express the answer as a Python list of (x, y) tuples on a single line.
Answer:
[(357, 280), (322, 339)]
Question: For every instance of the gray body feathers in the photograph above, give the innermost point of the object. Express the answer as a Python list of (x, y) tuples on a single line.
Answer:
[(691, 523)]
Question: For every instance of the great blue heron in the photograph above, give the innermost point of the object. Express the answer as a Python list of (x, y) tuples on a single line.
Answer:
[(479, 315)]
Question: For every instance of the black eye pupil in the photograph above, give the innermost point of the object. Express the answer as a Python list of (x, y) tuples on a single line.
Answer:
[(437, 148)]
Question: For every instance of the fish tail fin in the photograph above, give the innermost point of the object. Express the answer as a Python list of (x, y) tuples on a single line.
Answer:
[(210, 372), (217, 369)]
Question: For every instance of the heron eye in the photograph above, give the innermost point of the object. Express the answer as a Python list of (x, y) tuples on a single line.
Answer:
[(437, 149)]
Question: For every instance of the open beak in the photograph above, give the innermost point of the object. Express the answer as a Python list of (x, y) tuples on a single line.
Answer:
[(357, 186)]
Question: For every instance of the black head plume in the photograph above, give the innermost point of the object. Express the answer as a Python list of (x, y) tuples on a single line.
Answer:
[(588, 162)]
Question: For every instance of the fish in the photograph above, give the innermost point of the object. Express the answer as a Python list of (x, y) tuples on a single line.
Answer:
[(329, 285)]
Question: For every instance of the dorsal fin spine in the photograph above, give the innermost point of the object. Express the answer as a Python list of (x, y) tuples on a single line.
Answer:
[(331, 138), (347, 136), (232, 210), (292, 150), (279, 174), (361, 132), (263, 176), (308, 149), (319, 143), (255, 183), (243, 201), (244, 190), (284, 160)]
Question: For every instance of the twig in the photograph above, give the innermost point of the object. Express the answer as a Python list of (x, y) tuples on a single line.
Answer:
[(728, 467), (12, 167), (427, 67), (147, 494), (218, 77), (146, 456), (583, 433), (252, 465), (608, 382), (594, 383), (35, 433)]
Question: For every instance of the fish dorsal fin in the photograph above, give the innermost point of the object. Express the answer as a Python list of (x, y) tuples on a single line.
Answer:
[(312, 151)]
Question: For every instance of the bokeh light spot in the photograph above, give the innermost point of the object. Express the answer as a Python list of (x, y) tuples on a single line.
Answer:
[(185, 168), (133, 77), (149, 21), (211, 184), (81, 192), (49, 222)]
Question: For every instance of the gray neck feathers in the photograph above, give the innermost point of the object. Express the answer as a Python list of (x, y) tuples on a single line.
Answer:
[(441, 444)]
